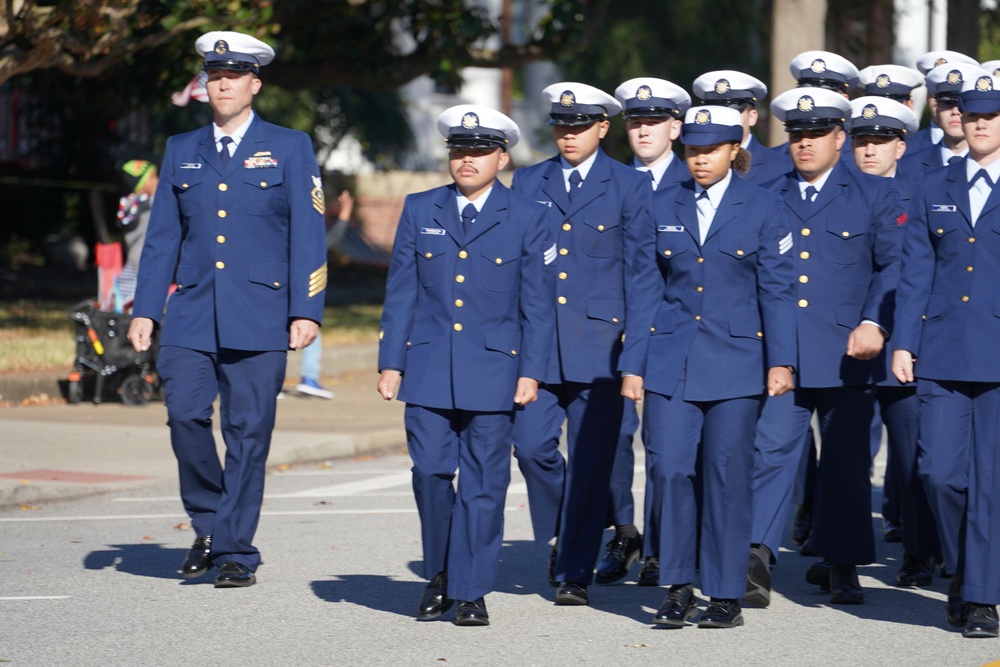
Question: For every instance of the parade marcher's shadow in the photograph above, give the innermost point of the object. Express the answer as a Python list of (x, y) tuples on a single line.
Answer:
[(373, 591), (143, 560)]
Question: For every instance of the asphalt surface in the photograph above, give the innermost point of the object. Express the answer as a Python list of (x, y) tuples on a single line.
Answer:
[(92, 533)]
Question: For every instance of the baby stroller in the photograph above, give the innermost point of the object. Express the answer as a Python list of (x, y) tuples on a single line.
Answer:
[(103, 348)]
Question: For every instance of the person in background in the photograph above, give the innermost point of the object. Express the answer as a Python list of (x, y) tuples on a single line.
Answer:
[(133, 218), (312, 356)]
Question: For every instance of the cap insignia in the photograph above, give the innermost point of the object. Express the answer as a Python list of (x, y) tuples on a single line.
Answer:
[(722, 86), (883, 81), (221, 47), (806, 104), (954, 77), (703, 117), (869, 112), (470, 121), (644, 93), (984, 84), (818, 66), (940, 61), (567, 99)]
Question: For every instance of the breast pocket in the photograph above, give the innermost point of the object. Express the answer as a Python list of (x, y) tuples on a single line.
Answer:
[(671, 244), (430, 259), (739, 246), (847, 241), (189, 191), (602, 234), (263, 192), (942, 226), (501, 267)]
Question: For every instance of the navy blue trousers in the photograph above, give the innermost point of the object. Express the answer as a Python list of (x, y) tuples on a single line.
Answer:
[(959, 461), (674, 430), (222, 501), (593, 416), (842, 526), (461, 529)]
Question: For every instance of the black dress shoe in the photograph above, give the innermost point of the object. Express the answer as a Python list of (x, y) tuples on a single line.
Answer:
[(434, 601), (721, 613), (915, 572), (758, 578), (234, 575), (981, 622), (649, 573), (679, 607), (802, 525), (572, 593), (818, 574), (845, 588), (957, 611), (621, 553), (892, 531), (198, 558), (472, 613)]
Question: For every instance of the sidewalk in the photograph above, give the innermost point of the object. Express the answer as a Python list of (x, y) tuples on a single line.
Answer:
[(55, 452)]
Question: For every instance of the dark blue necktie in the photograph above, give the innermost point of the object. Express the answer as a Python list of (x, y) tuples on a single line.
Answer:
[(811, 193), (224, 153), (955, 159), (983, 175), (574, 183), (468, 215)]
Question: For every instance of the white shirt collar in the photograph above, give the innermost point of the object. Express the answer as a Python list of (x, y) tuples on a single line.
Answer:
[(463, 201), (657, 170), (972, 168), (583, 167), (818, 183), (947, 153), (716, 191), (236, 136)]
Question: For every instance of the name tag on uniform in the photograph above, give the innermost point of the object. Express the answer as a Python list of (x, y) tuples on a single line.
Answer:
[(434, 231), (670, 228), (943, 208), (190, 165), (544, 203)]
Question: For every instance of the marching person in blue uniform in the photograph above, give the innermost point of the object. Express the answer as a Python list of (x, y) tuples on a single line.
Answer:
[(847, 241), (653, 110), (893, 81), (466, 327), (931, 135), (238, 219), (945, 338), (823, 69), (743, 93), (600, 203), (711, 328), (944, 85), (879, 129)]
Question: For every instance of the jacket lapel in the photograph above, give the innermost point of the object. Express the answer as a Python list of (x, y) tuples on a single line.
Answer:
[(594, 185), (206, 149), (958, 190), (554, 186), (831, 192), (687, 211), (729, 207), (446, 214)]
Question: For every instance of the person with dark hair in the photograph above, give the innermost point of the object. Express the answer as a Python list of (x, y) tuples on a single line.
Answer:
[(711, 328)]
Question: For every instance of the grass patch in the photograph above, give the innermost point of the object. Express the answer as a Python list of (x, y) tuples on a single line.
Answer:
[(38, 336)]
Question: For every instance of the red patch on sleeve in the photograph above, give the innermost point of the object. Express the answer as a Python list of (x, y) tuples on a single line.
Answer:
[(902, 219)]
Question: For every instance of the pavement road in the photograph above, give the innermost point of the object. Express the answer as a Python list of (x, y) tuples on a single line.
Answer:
[(92, 533)]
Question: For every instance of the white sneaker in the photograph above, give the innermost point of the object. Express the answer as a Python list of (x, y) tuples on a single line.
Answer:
[(310, 387)]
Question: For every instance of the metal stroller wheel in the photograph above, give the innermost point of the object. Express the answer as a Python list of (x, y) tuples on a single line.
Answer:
[(135, 390)]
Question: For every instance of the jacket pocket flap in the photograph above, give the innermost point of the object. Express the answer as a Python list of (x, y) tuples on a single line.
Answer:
[(609, 310), (271, 274)]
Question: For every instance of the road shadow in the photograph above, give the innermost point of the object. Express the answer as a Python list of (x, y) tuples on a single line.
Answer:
[(141, 560), (378, 592)]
